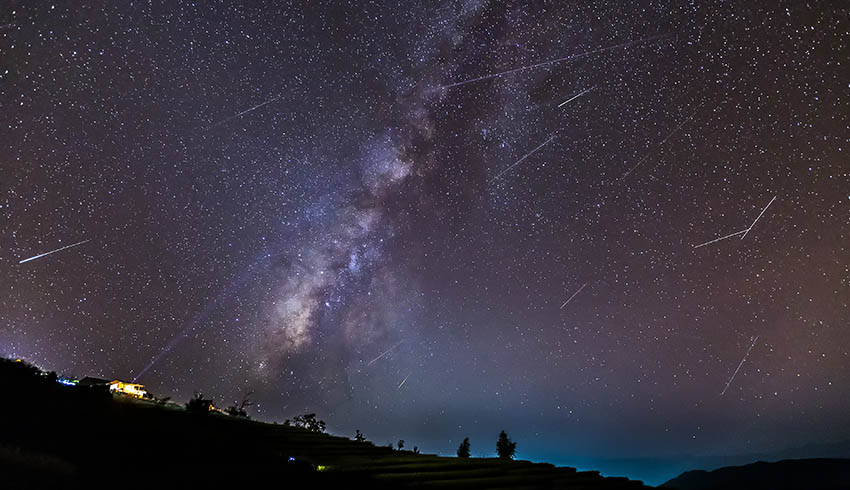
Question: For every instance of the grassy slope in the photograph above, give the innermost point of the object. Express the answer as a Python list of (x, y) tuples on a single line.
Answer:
[(52, 434)]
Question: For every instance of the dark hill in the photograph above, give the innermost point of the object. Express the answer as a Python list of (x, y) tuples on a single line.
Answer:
[(791, 474), (56, 436)]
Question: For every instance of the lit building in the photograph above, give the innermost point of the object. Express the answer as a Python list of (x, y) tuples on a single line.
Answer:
[(131, 389)]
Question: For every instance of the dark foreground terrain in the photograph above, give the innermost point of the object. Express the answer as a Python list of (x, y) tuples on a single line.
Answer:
[(792, 474), (55, 436)]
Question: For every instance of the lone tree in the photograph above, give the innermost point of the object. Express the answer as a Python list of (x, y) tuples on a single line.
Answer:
[(238, 409), (463, 449), (359, 437), (309, 422), (505, 447), (400, 444)]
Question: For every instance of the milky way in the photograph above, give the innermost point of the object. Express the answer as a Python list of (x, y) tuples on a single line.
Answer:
[(347, 209)]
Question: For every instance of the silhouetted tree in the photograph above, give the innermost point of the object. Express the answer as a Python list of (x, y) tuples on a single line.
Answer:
[(463, 449), (359, 437), (199, 404), (235, 411), (238, 409), (505, 447), (309, 422), (415, 449), (400, 444)]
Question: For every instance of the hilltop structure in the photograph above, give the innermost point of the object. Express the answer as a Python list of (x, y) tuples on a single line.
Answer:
[(130, 389), (115, 386)]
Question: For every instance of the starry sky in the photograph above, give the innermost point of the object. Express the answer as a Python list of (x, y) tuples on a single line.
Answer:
[(435, 220)]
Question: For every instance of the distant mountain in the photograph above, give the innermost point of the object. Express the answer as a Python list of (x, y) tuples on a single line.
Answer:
[(791, 474), (832, 450), (655, 471)]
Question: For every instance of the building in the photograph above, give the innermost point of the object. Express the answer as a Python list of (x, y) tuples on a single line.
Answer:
[(130, 389), (93, 382)]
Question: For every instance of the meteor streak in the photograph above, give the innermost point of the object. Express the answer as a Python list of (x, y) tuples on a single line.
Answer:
[(402, 381), (743, 232), (721, 238), (54, 251), (739, 366), (550, 62), (659, 145), (384, 353), (246, 111), (532, 152), (759, 217), (574, 97), (573, 296)]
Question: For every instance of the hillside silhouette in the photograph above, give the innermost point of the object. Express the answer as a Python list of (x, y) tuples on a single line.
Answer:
[(58, 436), (792, 474)]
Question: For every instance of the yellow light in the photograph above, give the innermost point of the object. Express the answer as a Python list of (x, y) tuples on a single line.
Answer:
[(131, 389), (321, 468)]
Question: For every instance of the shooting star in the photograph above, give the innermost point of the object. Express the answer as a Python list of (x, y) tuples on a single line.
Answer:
[(573, 296), (402, 381), (532, 152), (384, 353), (659, 145), (574, 97), (550, 62), (54, 251), (759, 217), (246, 111), (743, 232), (721, 238), (739, 366)]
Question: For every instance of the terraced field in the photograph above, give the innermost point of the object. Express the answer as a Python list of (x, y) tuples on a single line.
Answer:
[(444, 473), (402, 469)]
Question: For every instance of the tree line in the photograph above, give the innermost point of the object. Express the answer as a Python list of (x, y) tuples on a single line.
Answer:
[(505, 447)]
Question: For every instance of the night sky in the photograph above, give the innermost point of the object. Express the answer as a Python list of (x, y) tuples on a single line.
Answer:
[(306, 201)]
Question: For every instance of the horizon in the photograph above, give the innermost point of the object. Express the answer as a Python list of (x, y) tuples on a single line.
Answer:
[(608, 229), (652, 469)]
